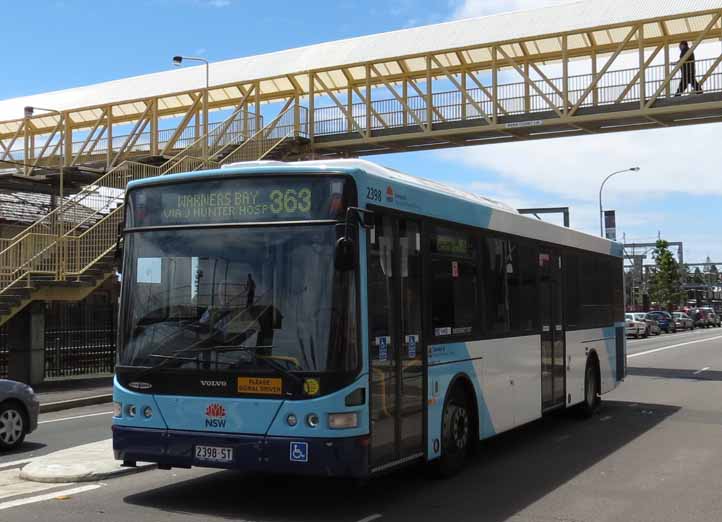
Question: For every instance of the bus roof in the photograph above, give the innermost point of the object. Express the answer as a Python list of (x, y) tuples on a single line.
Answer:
[(499, 216)]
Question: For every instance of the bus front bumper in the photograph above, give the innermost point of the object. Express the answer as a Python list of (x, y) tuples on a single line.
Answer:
[(338, 457)]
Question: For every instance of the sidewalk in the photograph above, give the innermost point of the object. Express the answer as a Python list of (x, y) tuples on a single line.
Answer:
[(86, 463), (74, 392)]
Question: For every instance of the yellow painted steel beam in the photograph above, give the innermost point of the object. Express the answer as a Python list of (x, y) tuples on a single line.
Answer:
[(605, 68), (190, 112), (533, 84), (638, 75), (464, 93), (341, 107)]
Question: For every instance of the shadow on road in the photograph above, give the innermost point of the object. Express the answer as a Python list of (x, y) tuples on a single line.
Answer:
[(510, 472), (673, 373), (25, 447)]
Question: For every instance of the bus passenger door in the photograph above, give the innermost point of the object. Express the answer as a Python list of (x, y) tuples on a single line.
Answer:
[(552, 337), (394, 311)]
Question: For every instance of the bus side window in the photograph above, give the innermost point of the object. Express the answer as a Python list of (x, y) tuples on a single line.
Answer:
[(454, 283)]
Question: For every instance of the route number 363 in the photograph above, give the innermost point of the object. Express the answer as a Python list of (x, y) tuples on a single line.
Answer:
[(290, 201)]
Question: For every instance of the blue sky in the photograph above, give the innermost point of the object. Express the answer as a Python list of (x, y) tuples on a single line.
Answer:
[(68, 43)]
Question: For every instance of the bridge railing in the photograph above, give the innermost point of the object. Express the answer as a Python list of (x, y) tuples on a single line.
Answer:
[(613, 88), (92, 149)]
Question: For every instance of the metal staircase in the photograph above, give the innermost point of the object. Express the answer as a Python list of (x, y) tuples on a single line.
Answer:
[(68, 253)]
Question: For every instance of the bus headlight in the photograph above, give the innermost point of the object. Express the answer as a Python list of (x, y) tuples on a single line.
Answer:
[(147, 412), (130, 410), (117, 409), (291, 420), (342, 421), (312, 420)]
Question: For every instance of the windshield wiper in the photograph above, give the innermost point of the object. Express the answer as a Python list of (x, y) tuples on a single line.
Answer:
[(224, 348), (245, 348), (173, 357), (279, 368)]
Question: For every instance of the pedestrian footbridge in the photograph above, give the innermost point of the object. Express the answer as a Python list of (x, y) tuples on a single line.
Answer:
[(587, 67)]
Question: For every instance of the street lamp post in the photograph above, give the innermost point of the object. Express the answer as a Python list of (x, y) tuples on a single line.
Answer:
[(601, 210), (177, 61), (29, 111)]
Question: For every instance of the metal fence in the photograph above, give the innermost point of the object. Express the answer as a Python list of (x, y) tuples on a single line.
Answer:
[(79, 339)]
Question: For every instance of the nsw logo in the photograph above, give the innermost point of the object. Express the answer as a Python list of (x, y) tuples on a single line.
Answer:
[(390, 194), (215, 416)]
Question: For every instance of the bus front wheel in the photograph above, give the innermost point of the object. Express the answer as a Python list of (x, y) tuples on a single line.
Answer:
[(592, 389), (456, 433)]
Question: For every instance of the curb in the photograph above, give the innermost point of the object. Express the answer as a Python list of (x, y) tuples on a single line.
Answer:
[(75, 403), (81, 476)]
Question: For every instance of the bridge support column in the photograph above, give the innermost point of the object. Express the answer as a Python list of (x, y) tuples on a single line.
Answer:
[(26, 343)]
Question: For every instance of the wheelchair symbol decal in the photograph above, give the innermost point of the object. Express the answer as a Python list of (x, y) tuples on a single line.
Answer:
[(299, 452)]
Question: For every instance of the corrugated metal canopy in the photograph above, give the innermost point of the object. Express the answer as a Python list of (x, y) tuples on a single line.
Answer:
[(606, 22)]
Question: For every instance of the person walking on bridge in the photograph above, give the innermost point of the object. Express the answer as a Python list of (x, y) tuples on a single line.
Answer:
[(688, 71)]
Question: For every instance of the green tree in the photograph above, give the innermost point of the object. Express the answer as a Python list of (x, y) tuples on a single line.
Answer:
[(665, 286)]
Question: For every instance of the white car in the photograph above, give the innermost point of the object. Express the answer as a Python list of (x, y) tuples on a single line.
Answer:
[(633, 327)]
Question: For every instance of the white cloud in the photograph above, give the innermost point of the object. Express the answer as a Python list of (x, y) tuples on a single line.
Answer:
[(672, 161), (472, 8)]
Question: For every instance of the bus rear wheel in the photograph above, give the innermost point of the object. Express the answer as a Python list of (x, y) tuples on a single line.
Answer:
[(456, 433), (592, 389)]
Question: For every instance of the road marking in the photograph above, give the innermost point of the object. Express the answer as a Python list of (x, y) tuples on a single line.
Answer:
[(76, 417), (47, 496), (663, 348), (371, 517), (702, 370), (12, 486)]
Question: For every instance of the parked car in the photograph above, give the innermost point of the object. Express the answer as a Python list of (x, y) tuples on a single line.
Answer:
[(665, 320), (18, 413), (698, 317), (713, 318), (652, 324), (682, 321), (633, 327)]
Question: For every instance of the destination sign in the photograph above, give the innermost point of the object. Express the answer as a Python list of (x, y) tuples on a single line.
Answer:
[(239, 200)]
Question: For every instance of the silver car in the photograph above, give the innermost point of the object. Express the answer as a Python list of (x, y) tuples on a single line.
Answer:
[(18, 413)]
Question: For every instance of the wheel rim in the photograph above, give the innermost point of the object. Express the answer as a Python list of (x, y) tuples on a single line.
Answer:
[(457, 428), (11, 426)]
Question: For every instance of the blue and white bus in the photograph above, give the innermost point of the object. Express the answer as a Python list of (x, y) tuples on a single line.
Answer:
[(339, 318)]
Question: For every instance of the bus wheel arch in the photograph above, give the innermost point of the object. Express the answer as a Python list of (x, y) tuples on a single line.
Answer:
[(460, 409)]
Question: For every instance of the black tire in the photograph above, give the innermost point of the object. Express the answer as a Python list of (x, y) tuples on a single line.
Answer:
[(13, 425), (592, 390), (646, 332), (457, 435)]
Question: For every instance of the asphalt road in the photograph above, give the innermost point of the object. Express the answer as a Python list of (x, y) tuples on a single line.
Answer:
[(652, 454)]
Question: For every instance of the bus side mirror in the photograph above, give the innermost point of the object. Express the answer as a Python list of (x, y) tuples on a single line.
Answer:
[(368, 220), (345, 259)]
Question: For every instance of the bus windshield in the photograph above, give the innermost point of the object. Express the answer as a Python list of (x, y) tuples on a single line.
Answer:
[(238, 299)]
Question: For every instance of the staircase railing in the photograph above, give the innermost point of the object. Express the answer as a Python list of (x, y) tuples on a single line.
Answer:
[(261, 144)]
